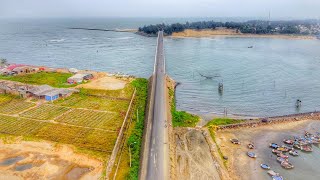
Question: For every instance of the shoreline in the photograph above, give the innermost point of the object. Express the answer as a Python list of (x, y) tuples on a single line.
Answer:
[(229, 33)]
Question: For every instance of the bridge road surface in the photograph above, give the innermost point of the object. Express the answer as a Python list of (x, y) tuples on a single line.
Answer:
[(158, 156)]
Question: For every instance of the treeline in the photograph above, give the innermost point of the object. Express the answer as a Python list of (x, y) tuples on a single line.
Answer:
[(253, 27)]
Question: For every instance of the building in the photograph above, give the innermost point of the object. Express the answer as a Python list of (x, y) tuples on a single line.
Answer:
[(78, 78), (49, 93)]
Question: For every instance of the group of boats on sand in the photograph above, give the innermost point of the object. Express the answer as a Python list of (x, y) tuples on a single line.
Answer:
[(290, 146)]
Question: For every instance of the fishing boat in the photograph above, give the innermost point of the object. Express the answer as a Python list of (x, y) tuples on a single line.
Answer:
[(288, 141), (283, 149), (251, 146), (250, 47), (280, 159), (274, 145), (277, 178), (294, 153), (273, 173), (265, 166), (235, 141), (297, 146), (286, 165), (252, 154), (274, 151), (282, 156), (287, 147), (306, 148)]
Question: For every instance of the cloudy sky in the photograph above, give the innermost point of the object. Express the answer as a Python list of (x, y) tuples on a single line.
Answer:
[(160, 8)]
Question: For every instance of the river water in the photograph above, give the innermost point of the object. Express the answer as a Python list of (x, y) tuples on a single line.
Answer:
[(265, 80)]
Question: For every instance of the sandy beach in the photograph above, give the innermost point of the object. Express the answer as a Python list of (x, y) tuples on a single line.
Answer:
[(222, 33), (240, 166)]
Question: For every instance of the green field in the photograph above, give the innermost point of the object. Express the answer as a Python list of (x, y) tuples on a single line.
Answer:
[(50, 78), (45, 112), (93, 102), (15, 106), (93, 119)]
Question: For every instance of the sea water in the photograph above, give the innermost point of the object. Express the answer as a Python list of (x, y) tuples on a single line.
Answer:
[(265, 80)]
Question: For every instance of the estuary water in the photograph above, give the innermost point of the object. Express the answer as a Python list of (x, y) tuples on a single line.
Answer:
[(265, 80)]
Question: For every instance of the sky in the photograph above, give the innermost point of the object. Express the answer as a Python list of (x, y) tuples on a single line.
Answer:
[(296, 9)]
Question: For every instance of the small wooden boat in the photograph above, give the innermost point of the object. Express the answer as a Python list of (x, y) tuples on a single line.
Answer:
[(277, 178), (235, 141), (274, 151), (283, 149), (273, 173), (252, 154), (265, 166), (297, 146), (288, 141), (306, 148), (251, 146), (294, 153), (282, 156), (250, 47), (287, 147), (286, 165), (280, 159), (273, 145)]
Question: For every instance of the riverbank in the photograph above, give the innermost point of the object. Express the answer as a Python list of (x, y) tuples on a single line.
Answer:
[(242, 167), (222, 33)]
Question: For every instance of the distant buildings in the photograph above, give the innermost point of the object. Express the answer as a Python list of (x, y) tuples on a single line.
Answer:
[(78, 78)]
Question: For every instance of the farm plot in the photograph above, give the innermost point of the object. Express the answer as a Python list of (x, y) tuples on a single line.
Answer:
[(4, 98), (15, 106), (90, 118), (17, 126), (45, 112), (93, 102)]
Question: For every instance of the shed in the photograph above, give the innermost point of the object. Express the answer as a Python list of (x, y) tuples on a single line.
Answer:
[(77, 78), (73, 70)]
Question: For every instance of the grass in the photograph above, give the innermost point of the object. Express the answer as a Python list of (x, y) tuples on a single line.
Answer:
[(54, 79), (135, 138), (181, 118), (223, 121), (45, 112), (212, 130)]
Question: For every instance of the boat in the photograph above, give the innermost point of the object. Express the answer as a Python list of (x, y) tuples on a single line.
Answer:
[(274, 145), (250, 46), (283, 149), (252, 154), (251, 146), (294, 153), (282, 156), (235, 141), (265, 166), (280, 159), (286, 165), (273, 173), (297, 146), (306, 148), (274, 151), (287, 147), (277, 178), (288, 141)]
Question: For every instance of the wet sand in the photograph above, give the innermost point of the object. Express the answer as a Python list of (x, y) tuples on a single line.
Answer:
[(240, 166)]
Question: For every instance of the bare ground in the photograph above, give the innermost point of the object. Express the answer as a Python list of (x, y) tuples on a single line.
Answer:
[(104, 83), (47, 161), (194, 159)]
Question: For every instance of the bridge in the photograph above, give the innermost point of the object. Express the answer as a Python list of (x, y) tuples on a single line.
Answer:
[(155, 155)]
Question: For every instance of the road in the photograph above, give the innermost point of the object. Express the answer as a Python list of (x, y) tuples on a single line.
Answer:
[(158, 156)]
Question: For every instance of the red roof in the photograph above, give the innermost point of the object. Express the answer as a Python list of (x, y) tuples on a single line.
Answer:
[(12, 66)]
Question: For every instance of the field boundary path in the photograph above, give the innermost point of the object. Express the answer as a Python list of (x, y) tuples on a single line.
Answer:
[(119, 139)]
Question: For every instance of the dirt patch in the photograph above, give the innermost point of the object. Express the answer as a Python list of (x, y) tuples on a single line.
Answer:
[(44, 160), (194, 159), (104, 83)]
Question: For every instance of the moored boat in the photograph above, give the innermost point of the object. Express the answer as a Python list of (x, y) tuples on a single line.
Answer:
[(306, 148), (294, 153), (265, 166), (274, 145), (274, 151), (252, 154), (280, 159), (288, 141), (251, 146), (282, 156), (235, 141), (277, 178), (273, 173), (287, 165)]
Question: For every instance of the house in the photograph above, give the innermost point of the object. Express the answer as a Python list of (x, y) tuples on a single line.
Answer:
[(78, 78), (23, 70), (49, 93)]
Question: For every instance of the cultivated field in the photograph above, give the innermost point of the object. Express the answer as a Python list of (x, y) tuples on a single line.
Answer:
[(89, 122)]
